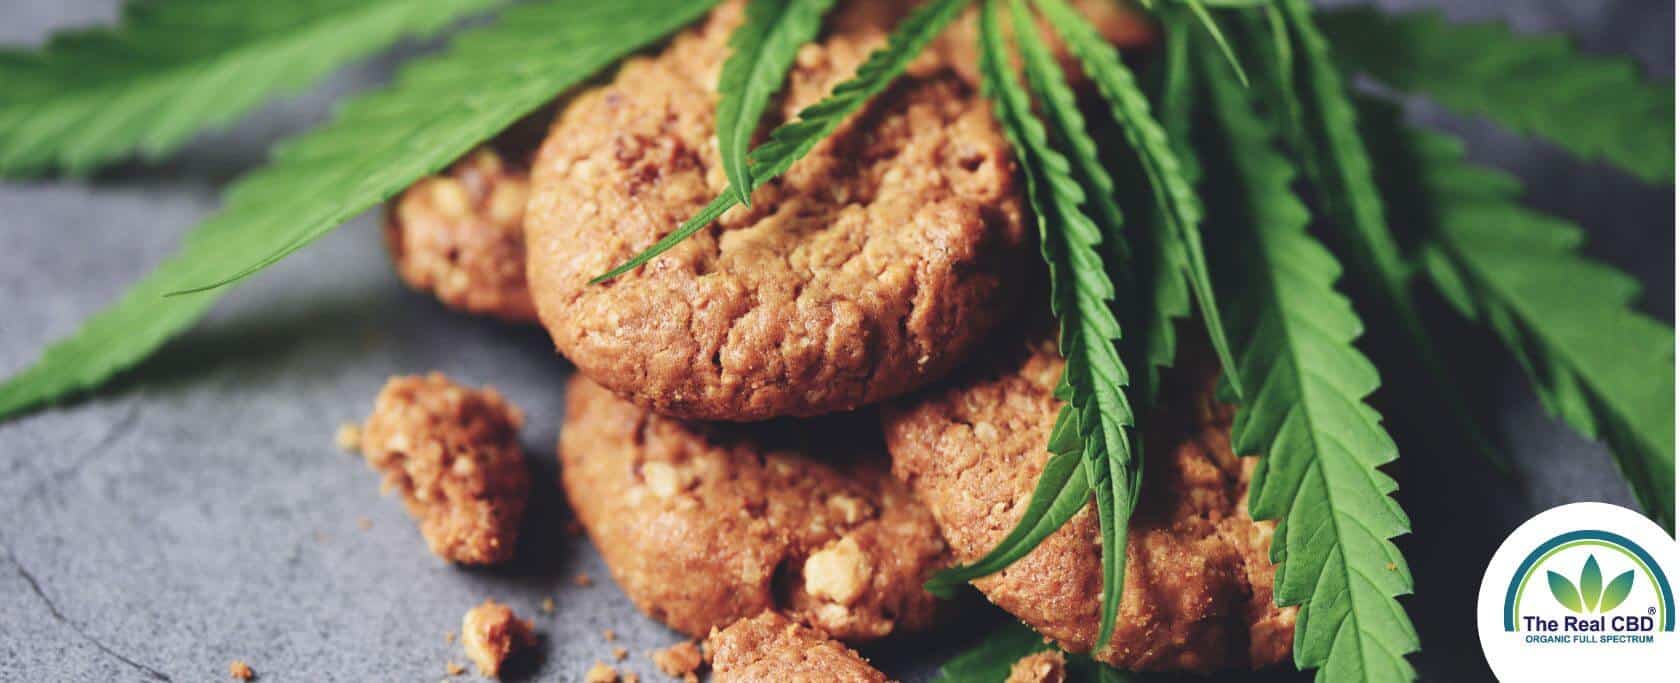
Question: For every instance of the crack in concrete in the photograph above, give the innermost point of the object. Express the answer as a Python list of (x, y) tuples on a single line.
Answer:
[(52, 608)]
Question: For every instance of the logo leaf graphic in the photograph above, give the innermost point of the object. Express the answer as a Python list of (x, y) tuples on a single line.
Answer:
[(1616, 592), (1592, 584), (1564, 591)]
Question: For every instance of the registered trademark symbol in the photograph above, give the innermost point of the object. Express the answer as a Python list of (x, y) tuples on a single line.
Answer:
[(1651, 610)]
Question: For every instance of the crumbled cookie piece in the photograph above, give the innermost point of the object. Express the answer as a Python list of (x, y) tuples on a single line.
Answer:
[(453, 668), (453, 453), (1048, 666), (490, 633), (620, 654), (349, 437), (872, 267), (601, 673), (706, 524), (770, 648), (1198, 594), (609, 634), (240, 670), (461, 236), (678, 661)]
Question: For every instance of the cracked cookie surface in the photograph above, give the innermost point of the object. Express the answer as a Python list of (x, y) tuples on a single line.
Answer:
[(706, 524), (1198, 592), (872, 267)]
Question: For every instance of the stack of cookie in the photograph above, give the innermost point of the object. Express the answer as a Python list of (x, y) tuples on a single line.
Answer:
[(819, 400)]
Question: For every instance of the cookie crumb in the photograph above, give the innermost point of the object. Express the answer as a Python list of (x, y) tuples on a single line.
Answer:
[(453, 668), (601, 673), (240, 670), (620, 653), (678, 661), (349, 437), (490, 633), (630, 678), (449, 637), (1041, 667), (582, 580), (547, 606), (609, 634), (453, 454), (364, 523)]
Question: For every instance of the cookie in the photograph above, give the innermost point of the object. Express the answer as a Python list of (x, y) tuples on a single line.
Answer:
[(705, 524), (871, 268), (460, 235), (1198, 580), (770, 648), (453, 454)]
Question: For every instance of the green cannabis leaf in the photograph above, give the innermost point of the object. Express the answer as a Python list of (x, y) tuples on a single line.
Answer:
[(1097, 415), (1319, 443), (1595, 107), (380, 143), (1600, 366), (790, 141), (1176, 199), (1165, 294), (1199, 10), (174, 67), (1322, 129), (761, 51)]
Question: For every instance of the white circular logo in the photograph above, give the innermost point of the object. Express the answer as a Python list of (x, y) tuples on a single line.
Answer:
[(1581, 591)]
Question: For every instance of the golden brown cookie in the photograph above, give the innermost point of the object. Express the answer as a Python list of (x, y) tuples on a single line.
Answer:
[(702, 525), (871, 268), (1198, 582), (453, 454), (460, 235), (770, 648)]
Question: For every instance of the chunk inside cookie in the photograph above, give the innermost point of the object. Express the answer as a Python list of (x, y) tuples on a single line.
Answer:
[(1198, 593), (453, 454), (770, 648), (870, 268), (461, 235), (703, 525)]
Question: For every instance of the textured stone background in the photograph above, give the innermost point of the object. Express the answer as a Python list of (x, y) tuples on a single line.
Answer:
[(197, 512)]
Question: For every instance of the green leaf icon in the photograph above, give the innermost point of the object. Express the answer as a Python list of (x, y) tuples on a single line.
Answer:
[(1617, 591), (1592, 583), (1564, 591)]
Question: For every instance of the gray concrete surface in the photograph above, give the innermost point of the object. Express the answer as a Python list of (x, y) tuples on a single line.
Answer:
[(197, 512)]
